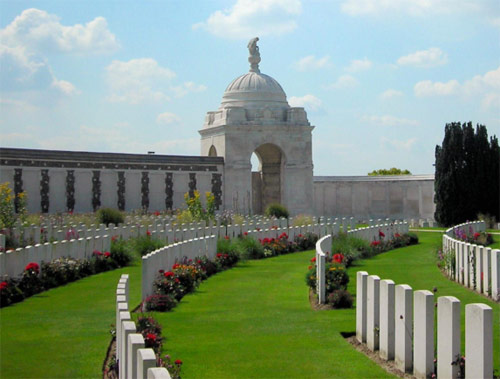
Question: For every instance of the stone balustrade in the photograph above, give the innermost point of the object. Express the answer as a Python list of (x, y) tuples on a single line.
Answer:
[(134, 360), (474, 266), (399, 323)]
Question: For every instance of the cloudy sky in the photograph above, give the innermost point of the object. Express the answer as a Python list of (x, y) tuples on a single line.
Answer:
[(379, 79)]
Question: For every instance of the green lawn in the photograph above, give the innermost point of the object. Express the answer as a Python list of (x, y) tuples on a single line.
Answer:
[(64, 332), (250, 321)]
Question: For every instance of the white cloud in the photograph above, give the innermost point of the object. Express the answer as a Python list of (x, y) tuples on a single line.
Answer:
[(359, 65), (310, 102), (138, 80), (404, 145), (410, 7), (486, 87), (344, 82), (310, 62), (389, 120), (248, 18), (167, 118), (424, 58), (429, 88), (65, 87), (42, 32), (390, 94), (187, 87)]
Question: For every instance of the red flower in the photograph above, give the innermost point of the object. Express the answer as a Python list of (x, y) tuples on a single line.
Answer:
[(300, 236), (310, 267), (176, 265), (168, 274), (226, 237), (151, 337), (225, 255), (313, 259), (198, 261), (97, 253), (114, 238), (375, 243), (161, 271), (157, 213), (32, 266), (107, 254), (338, 258), (381, 233), (245, 233), (148, 233), (476, 235), (219, 255), (177, 280), (397, 235), (3, 285), (257, 229), (178, 362)]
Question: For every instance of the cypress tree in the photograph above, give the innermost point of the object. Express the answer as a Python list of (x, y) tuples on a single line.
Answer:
[(467, 174)]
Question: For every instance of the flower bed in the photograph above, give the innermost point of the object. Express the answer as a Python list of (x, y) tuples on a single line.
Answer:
[(36, 279), (345, 250)]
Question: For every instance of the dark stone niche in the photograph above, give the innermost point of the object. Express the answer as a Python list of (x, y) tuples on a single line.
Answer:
[(145, 190), (169, 190), (18, 186), (217, 190), (44, 191), (192, 184), (70, 190), (96, 190), (121, 190)]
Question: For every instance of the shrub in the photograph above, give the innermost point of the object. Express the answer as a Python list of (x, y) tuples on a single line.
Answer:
[(110, 216), (159, 303), (301, 219), (340, 299), (306, 242), (120, 253), (251, 248), (146, 244), (226, 260), (276, 210), (206, 266), (336, 277)]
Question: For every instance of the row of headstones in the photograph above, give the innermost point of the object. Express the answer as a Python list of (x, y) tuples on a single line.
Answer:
[(476, 267), (13, 262), (371, 233), (467, 227), (399, 323), (135, 361), (165, 257)]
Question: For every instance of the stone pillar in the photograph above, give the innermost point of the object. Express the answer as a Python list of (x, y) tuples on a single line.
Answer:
[(128, 327), (467, 265), (404, 327), (448, 337), (478, 252), (478, 341), (386, 341), (122, 317), (372, 312), (320, 262), (423, 344), (158, 373), (361, 284), (146, 359)]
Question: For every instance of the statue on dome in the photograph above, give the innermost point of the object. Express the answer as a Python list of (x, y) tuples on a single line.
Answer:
[(254, 57)]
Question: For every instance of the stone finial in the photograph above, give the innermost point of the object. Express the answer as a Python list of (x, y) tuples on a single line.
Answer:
[(254, 57)]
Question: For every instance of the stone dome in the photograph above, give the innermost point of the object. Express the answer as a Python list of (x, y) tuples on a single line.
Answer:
[(254, 90)]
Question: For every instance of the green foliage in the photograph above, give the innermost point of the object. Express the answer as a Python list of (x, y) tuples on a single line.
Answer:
[(302, 219), (391, 171), (12, 207), (351, 248), (145, 244), (120, 252), (250, 248), (110, 216), (276, 210), (467, 174), (340, 299), (195, 208)]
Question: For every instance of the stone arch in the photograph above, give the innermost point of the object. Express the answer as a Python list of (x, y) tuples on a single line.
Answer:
[(267, 182), (212, 152)]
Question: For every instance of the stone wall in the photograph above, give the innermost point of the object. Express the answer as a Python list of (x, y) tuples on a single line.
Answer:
[(59, 181), (371, 197)]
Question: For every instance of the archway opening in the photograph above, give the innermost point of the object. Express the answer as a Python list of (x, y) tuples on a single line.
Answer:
[(212, 152), (266, 177)]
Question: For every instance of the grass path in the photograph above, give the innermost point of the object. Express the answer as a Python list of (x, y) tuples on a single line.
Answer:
[(255, 321)]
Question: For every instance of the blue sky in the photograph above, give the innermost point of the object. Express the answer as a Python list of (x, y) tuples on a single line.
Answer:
[(379, 79)]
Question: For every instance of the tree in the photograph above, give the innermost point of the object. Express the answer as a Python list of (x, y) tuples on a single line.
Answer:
[(467, 174), (391, 171)]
